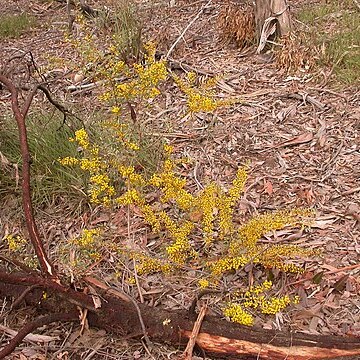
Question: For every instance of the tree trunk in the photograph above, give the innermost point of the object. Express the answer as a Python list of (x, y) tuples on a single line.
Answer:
[(272, 18)]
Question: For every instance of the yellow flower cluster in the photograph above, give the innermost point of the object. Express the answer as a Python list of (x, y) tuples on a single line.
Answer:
[(81, 252), (128, 172), (150, 217), (146, 264), (100, 185), (168, 149), (180, 249), (203, 283), (145, 78), (273, 305), (236, 313), (123, 82), (172, 186), (115, 110), (200, 99), (226, 202), (120, 133), (228, 263), (15, 243), (82, 138), (276, 256), (69, 161), (258, 226), (253, 298), (87, 238), (131, 196), (100, 189), (207, 203)]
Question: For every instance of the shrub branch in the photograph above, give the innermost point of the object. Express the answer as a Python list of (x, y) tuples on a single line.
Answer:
[(46, 266)]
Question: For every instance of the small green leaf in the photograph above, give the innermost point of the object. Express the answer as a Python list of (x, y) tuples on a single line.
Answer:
[(318, 277)]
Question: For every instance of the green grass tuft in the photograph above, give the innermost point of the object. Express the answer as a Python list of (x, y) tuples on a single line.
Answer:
[(48, 141), (334, 27), (12, 26)]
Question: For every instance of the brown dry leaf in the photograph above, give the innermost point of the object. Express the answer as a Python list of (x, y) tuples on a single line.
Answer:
[(102, 218), (354, 211), (268, 187), (318, 277), (314, 324), (321, 134), (287, 112), (340, 285), (301, 139), (323, 222), (95, 297), (308, 195)]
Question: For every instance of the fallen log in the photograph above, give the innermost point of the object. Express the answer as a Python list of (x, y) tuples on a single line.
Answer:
[(217, 337)]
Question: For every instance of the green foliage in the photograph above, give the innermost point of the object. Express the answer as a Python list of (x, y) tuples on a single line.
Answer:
[(48, 140), (122, 24), (14, 25), (334, 29), (127, 30)]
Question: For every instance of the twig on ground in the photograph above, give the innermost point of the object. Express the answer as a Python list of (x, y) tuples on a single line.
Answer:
[(30, 337), (137, 283), (31, 326), (18, 301), (329, 91), (176, 64), (187, 355), (306, 98), (187, 28)]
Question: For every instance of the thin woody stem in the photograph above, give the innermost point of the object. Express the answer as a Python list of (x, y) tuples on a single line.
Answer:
[(46, 266)]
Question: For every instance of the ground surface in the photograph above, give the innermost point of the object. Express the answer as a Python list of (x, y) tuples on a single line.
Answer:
[(301, 136)]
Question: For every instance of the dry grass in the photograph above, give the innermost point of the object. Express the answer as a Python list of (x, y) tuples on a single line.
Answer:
[(236, 24), (293, 53)]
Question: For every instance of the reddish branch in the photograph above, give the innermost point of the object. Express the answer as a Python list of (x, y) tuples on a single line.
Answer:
[(71, 295), (46, 266), (33, 325)]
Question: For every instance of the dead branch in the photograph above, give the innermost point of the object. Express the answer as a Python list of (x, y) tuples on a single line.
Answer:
[(33, 325), (187, 355), (216, 336), (75, 297)]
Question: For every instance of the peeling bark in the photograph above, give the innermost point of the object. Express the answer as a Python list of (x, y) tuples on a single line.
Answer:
[(271, 13)]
